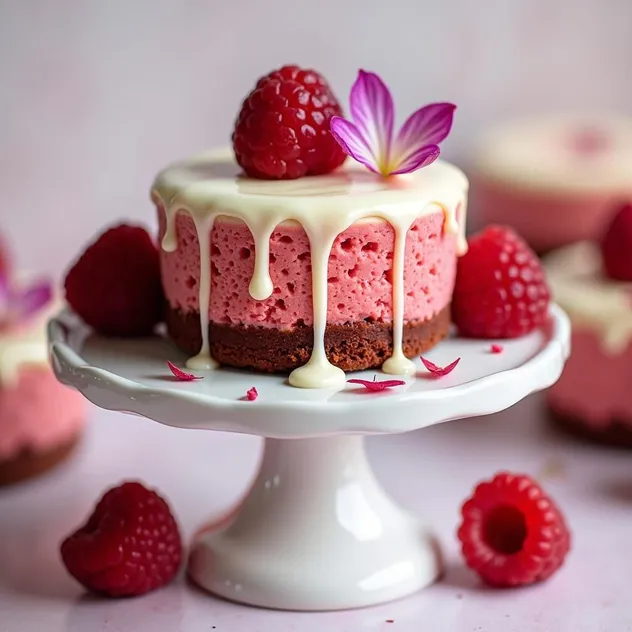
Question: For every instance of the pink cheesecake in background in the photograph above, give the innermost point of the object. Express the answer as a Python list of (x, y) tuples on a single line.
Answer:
[(555, 181), (593, 398), (40, 419), (275, 333)]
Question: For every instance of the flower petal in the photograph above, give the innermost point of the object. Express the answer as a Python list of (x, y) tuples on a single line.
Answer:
[(422, 157), (352, 142), (373, 114), (24, 303), (181, 375), (429, 125), (375, 386), (439, 371)]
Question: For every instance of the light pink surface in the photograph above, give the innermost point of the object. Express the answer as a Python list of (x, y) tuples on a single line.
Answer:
[(430, 472), (360, 271), (38, 412), (595, 387), (545, 219)]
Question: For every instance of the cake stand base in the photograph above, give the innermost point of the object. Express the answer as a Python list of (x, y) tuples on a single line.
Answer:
[(316, 532)]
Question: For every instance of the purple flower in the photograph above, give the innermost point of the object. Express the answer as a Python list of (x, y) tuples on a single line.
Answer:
[(369, 139), (17, 305)]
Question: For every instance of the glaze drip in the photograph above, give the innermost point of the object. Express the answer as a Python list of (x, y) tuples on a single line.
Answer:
[(398, 363), (319, 372), (203, 359), (261, 286), (209, 185)]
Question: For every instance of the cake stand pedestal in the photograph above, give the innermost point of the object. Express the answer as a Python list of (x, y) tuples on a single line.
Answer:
[(316, 531)]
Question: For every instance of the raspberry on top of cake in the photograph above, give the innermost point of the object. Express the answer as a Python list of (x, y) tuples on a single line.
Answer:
[(267, 267)]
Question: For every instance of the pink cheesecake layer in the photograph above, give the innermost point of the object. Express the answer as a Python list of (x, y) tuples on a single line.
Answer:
[(595, 388), (360, 272), (38, 413), (546, 219)]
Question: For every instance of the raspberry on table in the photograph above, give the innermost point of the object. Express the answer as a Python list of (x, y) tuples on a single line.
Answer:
[(282, 131), (115, 285), (129, 546), (501, 289), (616, 245), (511, 532)]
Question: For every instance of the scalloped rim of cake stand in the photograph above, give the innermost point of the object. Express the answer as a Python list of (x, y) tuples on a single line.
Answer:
[(530, 364)]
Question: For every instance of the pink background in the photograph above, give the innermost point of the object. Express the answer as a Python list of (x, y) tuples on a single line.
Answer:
[(97, 95)]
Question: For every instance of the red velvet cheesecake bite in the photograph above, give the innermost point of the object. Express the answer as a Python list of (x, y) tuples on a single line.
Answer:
[(351, 268)]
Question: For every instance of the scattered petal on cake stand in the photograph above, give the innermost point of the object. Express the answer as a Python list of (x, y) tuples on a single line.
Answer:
[(316, 531)]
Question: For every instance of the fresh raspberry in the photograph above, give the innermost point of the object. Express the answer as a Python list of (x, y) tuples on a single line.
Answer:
[(500, 290), (512, 533), (282, 131), (616, 245), (115, 286), (129, 546)]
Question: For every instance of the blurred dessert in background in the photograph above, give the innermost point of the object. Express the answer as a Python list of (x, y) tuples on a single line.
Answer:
[(553, 180), (592, 282), (40, 419)]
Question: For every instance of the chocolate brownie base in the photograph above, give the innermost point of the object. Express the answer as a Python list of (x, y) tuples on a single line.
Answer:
[(352, 347), (616, 434), (28, 464)]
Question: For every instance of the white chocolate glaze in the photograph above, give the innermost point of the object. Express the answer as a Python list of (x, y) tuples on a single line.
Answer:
[(209, 186), (591, 299), (398, 363), (203, 226), (26, 345), (319, 372), (550, 154)]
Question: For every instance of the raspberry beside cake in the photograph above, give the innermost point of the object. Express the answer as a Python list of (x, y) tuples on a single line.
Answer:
[(260, 282), (553, 180)]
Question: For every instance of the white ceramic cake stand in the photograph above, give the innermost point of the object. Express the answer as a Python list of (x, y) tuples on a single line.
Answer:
[(316, 531)]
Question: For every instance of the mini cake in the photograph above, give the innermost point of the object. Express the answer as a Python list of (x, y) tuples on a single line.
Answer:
[(336, 271), (40, 420), (593, 397), (265, 289), (554, 181)]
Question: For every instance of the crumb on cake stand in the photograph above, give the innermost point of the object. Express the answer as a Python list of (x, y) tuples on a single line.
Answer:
[(316, 531)]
